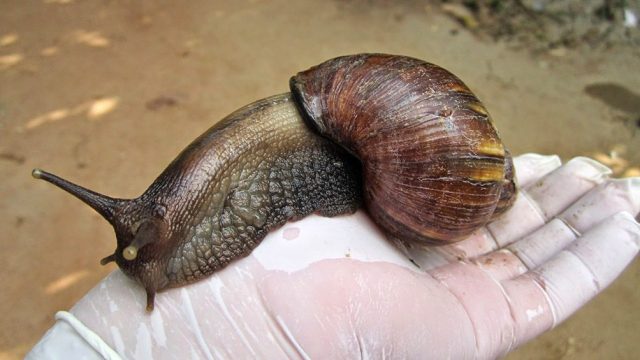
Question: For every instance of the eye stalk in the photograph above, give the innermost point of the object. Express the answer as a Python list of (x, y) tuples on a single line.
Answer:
[(104, 205)]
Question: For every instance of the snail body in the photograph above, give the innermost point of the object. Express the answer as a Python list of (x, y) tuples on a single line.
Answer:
[(431, 169)]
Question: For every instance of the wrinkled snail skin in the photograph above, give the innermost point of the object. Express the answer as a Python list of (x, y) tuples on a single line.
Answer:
[(431, 169)]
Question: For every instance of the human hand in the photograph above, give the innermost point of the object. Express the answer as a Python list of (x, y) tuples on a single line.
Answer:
[(336, 287)]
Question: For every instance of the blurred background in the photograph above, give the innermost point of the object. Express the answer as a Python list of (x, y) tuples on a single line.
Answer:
[(106, 93)]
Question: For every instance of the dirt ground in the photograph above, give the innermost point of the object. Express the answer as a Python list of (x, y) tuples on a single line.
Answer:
[(106, 93)]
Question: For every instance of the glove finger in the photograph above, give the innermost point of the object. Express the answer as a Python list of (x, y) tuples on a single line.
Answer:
[(604, 201), (531, 167), (546, 296), (547, 197)]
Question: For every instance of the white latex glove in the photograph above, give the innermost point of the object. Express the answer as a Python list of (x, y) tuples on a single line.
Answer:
[(337, 288)]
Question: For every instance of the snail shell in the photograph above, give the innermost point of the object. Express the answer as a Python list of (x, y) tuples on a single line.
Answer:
[(434, 167), (432, 164)]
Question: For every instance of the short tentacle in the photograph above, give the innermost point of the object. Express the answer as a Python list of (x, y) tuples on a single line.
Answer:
[(107, 259)]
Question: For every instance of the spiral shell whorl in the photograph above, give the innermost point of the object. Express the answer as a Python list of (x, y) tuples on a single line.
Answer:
[(433, 164)]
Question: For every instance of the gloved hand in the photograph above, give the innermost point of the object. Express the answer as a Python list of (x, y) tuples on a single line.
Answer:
[(337, 288)]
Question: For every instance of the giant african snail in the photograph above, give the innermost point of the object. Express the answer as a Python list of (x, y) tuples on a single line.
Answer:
[(431, 162)]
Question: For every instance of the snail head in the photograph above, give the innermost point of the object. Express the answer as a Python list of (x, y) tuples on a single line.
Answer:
[(141, 226)]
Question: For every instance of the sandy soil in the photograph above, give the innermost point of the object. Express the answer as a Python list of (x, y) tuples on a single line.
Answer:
[(106, 93)]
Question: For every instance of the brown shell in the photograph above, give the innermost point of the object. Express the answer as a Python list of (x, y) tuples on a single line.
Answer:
[(434, 166)]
